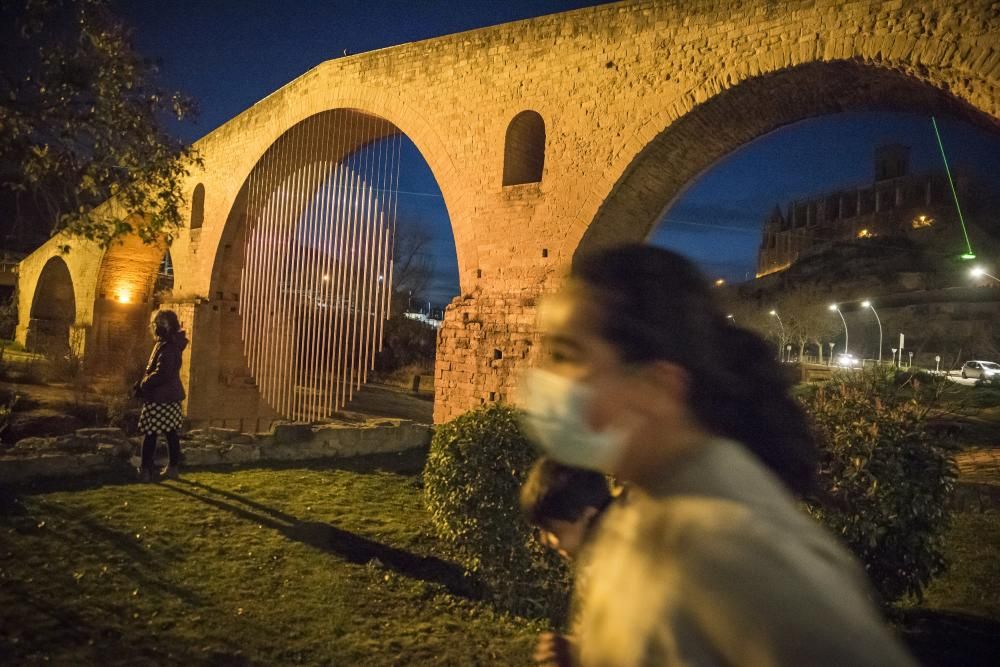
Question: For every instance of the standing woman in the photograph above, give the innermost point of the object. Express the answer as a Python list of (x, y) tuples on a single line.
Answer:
[(711, 562), (161, 392)]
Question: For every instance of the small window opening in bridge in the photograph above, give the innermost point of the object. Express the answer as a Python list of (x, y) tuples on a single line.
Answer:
[(545, 252), (497, 354), (493, 396), (479, 273), (524, 149), (465, 317), (198, 207)]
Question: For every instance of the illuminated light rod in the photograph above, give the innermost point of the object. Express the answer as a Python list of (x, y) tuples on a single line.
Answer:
[(968, 254), (979, 272)]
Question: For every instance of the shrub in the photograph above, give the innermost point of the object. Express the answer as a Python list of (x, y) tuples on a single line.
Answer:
[(474, 471), (887, 479), (406, 343)]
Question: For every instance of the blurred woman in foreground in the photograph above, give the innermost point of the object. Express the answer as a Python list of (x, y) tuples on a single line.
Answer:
[(711, 562)]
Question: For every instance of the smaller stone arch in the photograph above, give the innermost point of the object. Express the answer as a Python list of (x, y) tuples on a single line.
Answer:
[(524, 149), (198, 207), (53, 309), (129, 286)]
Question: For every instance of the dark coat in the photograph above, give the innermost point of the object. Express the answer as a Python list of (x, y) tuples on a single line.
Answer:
[(161, 382)]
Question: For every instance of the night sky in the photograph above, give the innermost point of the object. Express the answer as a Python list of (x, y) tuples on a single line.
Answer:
[(229, 54)]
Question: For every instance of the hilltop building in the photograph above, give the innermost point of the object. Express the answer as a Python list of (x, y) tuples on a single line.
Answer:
[(897, 203)]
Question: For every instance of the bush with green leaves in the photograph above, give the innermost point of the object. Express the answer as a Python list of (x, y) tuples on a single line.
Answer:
[(474, 472), (887, 479)]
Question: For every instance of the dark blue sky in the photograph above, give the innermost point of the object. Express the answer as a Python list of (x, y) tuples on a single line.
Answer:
[(229, 54)]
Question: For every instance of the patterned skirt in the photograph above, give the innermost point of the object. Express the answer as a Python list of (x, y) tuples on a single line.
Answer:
[(160, 417)]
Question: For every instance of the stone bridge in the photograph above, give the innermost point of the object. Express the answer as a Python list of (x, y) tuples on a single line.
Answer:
[(547, 137)]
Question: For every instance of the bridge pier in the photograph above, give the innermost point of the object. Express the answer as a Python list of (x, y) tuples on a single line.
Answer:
[(487, 339)]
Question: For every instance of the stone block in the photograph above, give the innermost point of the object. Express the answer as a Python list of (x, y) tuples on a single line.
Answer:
[(102, 434), (285, 433), (222, 434), (239, 453)]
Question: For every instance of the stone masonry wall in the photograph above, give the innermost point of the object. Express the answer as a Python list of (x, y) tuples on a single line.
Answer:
[(483, 345), (93, 451)]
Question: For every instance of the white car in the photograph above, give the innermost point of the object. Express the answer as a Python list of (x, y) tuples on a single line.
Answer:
[(848, 361), (984, 370)]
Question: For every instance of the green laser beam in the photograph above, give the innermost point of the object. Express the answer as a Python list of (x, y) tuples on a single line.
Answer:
[(970, 254)]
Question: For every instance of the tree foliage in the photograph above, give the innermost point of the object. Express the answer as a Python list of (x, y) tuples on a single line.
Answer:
[(82, 147), (411, 261)]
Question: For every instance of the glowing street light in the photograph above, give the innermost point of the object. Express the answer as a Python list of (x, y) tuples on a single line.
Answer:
[(781, 350), (731, 319), (979, 272), (836, 308), (720, 282), (868, 304)]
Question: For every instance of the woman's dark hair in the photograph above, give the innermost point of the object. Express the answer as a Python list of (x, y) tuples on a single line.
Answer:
[(656, 305), (168, 319), (555, 492)]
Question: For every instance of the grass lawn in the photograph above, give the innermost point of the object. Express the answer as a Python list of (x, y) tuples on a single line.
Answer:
[(958, 622), (972, 583), (317, 565), (330, 564)]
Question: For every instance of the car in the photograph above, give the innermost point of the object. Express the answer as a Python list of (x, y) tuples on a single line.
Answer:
[(848, 361), (984, 370)]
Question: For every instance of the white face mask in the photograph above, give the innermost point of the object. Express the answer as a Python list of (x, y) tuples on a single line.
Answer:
[(554, 409)]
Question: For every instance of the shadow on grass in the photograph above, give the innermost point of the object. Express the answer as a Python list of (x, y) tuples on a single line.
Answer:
[(408, 463), (47, 629), (331, 539), (142, 565)]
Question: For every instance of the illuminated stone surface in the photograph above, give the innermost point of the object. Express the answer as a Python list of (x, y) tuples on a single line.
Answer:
[(637, 99)]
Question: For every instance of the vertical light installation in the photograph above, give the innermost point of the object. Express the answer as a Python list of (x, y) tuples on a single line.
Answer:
[(316, 283)]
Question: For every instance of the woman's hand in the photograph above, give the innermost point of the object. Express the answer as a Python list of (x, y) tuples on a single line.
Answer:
[(553, 650)]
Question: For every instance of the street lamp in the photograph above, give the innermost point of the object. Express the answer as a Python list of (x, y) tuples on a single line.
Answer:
[(894, 356), (979, 272), (832, 345), (835, 307), (731, 319), (781, 342), (868, 304)]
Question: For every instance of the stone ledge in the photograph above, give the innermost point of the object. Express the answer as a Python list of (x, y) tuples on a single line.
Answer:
[(95, 451)]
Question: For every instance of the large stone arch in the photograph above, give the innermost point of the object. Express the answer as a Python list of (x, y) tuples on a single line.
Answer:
[(52, 315), (124, 299), (218, 354), (688, 138)]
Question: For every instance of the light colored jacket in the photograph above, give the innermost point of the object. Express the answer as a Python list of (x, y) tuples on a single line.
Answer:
[(718, 566)]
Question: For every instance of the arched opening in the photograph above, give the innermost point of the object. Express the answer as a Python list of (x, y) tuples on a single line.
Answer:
[(129, 288), (198, 206), (524, 149), (778, 238), (53, 310), (693, 143), (328, 239)]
